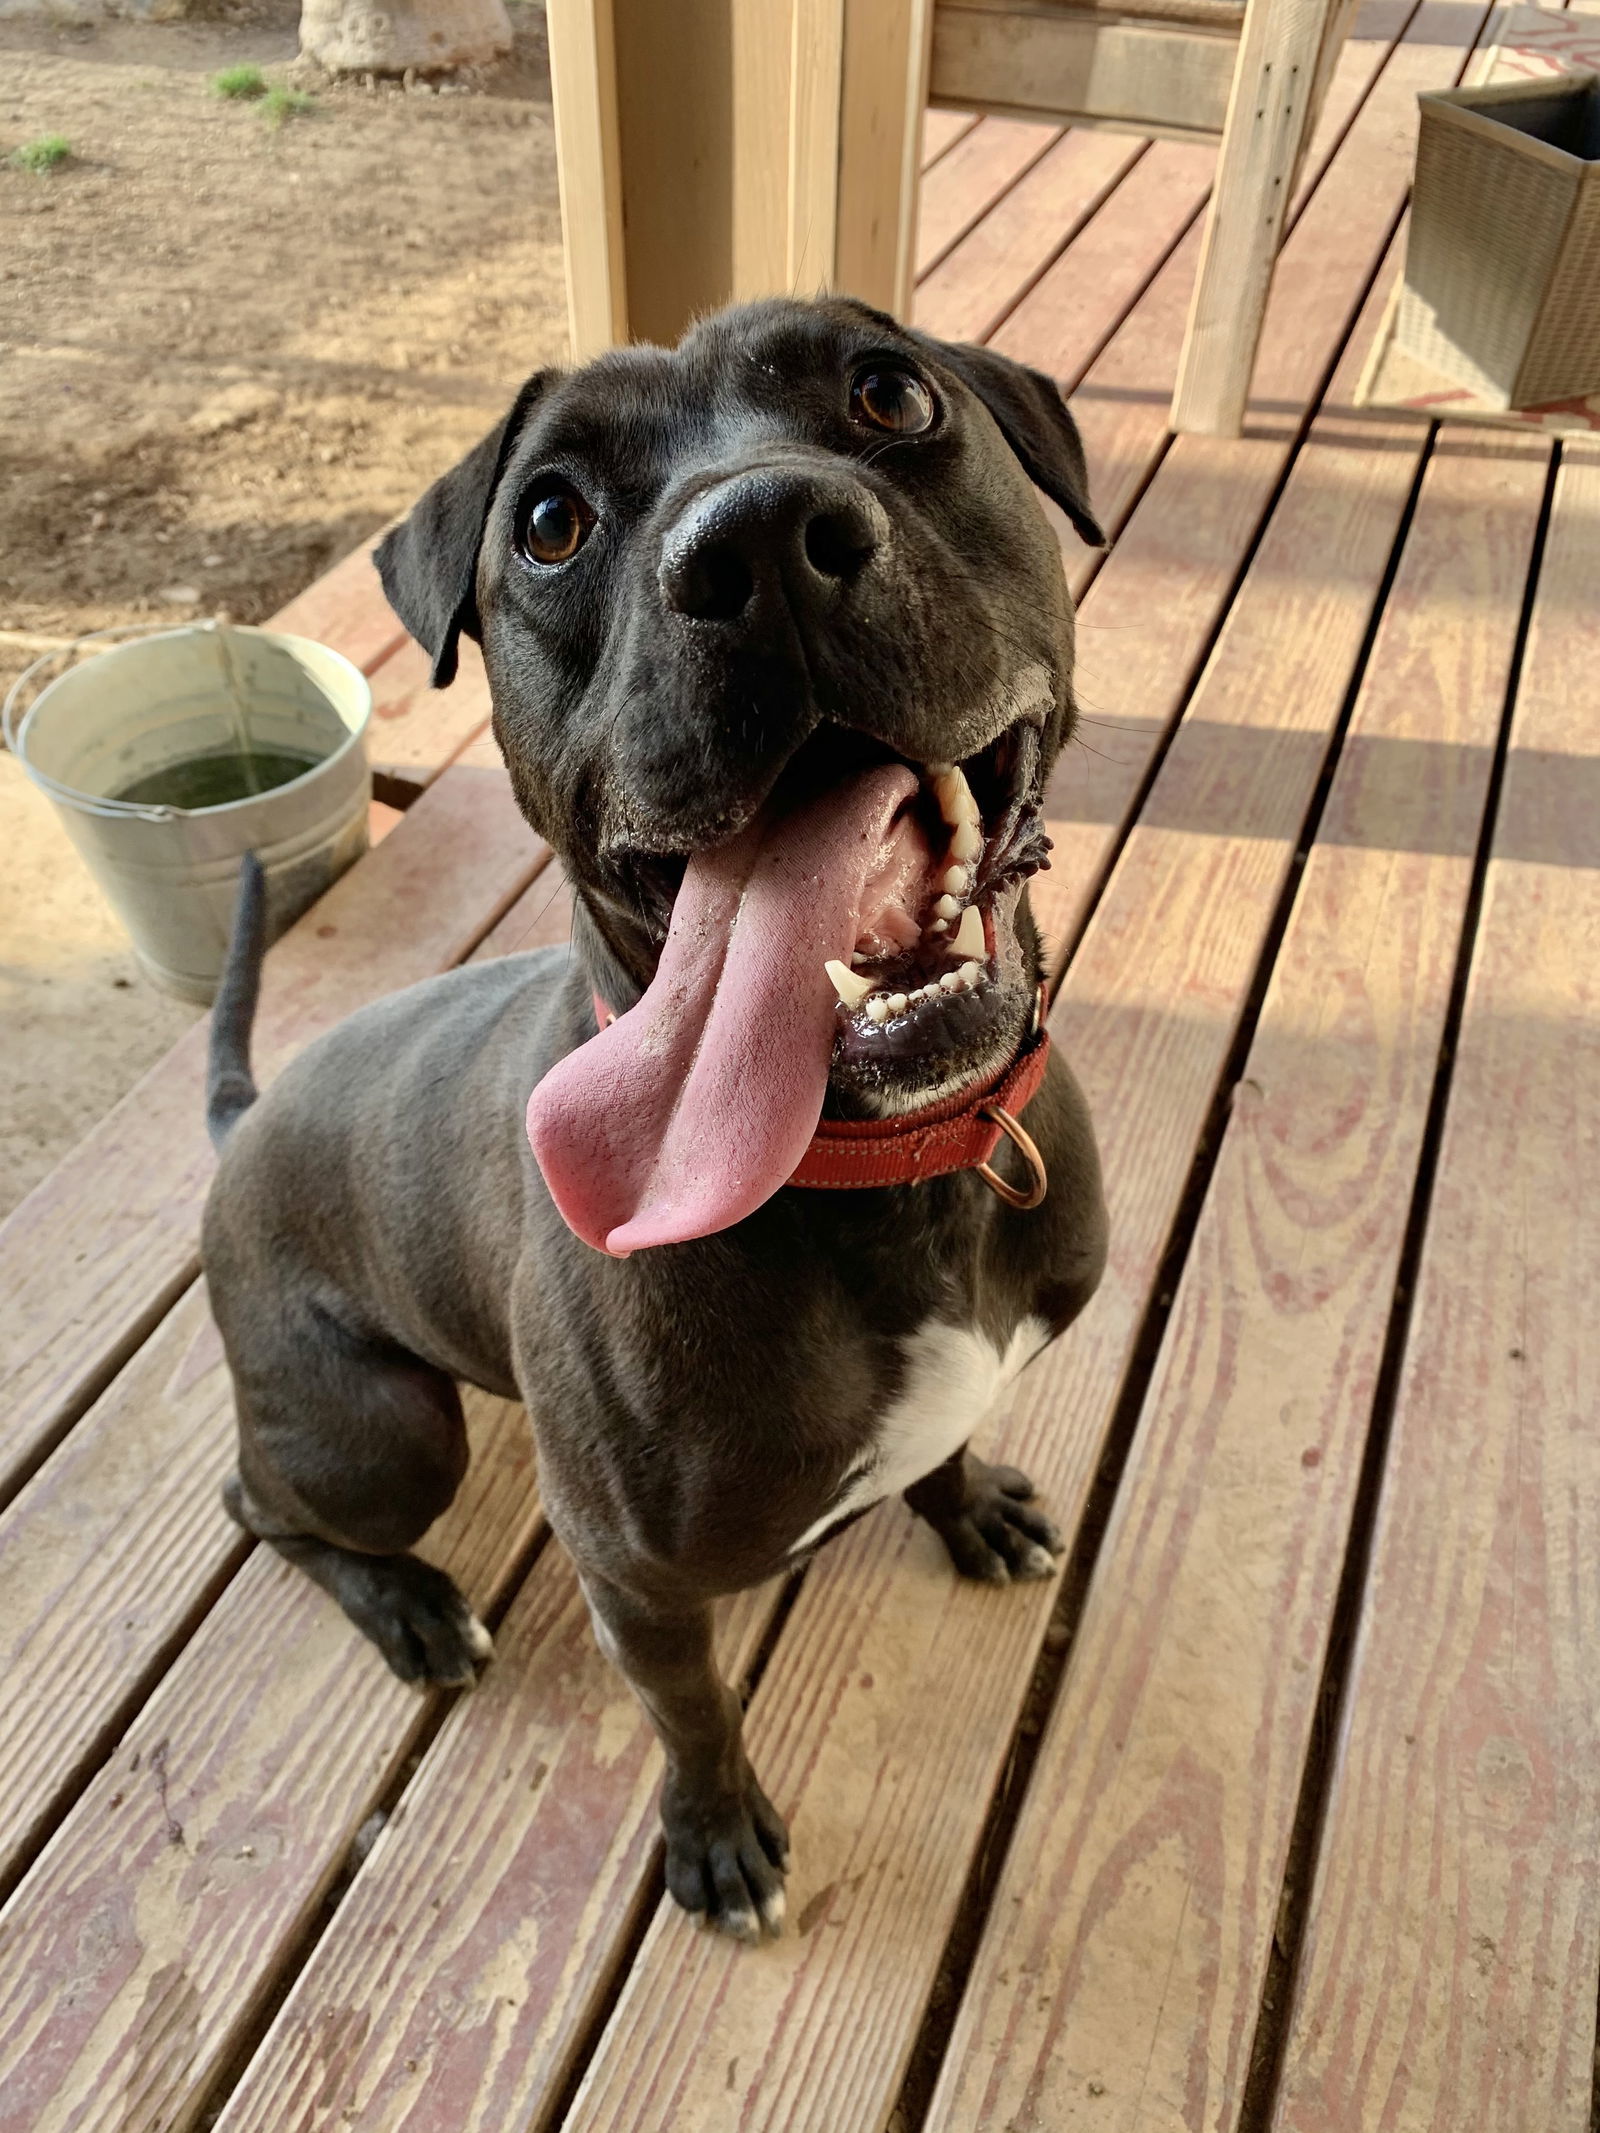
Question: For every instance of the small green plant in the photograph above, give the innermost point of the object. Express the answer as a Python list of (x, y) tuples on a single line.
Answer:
[(47, 153), (281, 102), (240, 83)]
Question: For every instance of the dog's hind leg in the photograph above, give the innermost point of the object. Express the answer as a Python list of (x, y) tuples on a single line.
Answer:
[(348, 1452)]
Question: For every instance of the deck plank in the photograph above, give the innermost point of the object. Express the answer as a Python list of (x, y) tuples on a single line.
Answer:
[(419, 729), (345, 608), (941, 130), (536, 1813), (1147, 1864), (1448, 1977), (982, 279), (98, 1253), (139, 1945), (963, 185)]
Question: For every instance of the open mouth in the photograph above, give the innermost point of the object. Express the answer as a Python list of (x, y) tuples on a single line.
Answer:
[(850, 949), (934, 944)]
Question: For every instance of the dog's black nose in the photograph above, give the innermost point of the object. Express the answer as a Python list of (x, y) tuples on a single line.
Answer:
[(770, 534)]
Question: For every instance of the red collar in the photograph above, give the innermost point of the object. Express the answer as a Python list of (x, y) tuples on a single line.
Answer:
[(959, 1133)]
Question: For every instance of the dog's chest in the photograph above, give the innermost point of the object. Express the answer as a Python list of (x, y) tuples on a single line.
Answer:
[(953, 1376)]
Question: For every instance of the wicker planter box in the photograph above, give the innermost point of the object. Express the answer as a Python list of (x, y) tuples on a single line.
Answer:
[(1502, 284)]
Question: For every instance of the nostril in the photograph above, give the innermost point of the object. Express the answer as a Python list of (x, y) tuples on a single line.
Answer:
[(838, 543), (713, 584)]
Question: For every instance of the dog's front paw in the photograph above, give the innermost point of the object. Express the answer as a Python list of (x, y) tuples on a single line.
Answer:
[(726, 1858), (989, 1522)]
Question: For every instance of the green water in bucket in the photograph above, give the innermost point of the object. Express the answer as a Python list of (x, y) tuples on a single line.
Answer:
[(217, 779)]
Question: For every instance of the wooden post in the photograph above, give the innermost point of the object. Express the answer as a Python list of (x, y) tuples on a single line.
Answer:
[(1282, 56), (720, 149)]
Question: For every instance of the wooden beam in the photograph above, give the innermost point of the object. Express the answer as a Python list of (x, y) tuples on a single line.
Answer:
[(1079, 68), (1271, 107), (583, 95)]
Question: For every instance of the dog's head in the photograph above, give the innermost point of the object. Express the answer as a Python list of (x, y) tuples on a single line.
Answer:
[(780, 650)]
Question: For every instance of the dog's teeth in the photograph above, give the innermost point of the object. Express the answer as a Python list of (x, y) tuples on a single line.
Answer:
[(877, 1008), (966, 843), (857, 959), (952, 981), (947, 907), (852, 990), (937, 925), (972, 972), (956, 882), (897, 1003), (940, 770), (968, 936), (954, 795)]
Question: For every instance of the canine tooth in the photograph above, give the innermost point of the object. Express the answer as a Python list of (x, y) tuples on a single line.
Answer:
[(954, 795), (955, 883), (968, 936), (897, 1003), (947, 907), (851, 988), (972, 972), (966, 843), (877, 1008)]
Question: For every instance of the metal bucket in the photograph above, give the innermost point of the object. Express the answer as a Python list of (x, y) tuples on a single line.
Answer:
[(141, 706)]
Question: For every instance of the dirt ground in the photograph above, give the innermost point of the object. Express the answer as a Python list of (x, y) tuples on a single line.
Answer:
[(227, 353)]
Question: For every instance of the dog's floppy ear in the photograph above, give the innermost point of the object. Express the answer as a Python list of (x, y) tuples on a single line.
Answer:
[(429, 562), (1033, 419)]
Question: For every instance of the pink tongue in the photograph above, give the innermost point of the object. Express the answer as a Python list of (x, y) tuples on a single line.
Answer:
[(693, 1108)]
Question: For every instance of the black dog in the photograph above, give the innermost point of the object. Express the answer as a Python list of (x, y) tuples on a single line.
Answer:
[(781, 656)]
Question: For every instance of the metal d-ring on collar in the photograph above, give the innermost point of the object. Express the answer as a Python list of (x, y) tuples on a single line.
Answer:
[(1028, 1147), (1023, 1141)]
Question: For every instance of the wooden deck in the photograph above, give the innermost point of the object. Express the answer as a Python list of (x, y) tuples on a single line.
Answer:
[(1280, 1810)]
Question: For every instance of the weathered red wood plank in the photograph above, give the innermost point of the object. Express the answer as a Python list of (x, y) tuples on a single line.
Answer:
[(345, 608), (91, 1261), (1062, 323), (941, 130), (1145, 1871), (965, 184), (105, 1558), (470, 1955), (417, 728), (540, 918), (978, 283), (1448, 1976), (139, 1946)]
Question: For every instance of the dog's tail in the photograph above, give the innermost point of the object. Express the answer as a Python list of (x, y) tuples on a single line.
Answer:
[(230, 1086)]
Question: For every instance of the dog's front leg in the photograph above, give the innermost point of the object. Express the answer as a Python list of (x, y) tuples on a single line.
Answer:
[(727, 1848)]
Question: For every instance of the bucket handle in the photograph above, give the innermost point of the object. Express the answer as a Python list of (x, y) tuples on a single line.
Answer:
[(14, 720)]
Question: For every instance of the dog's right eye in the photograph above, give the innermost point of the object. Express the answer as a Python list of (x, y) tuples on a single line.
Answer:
[(553, 526)]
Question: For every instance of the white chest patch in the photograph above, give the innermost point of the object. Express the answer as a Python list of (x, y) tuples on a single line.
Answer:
[(954, 1377)]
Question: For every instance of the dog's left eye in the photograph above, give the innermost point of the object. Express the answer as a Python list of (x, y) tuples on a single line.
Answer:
[(889, 399), (554, 526)]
